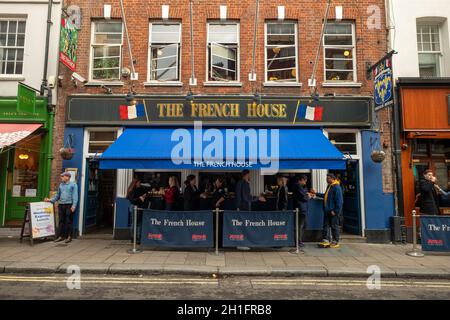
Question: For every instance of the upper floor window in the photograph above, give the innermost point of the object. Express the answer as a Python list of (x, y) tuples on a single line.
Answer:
[(12, 42), (223, 52), (281, 52), (344, 142), (340, 52), (106, 50), (429, 48), (164, 52)]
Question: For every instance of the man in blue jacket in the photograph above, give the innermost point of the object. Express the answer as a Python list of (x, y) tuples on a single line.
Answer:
[(67, 196), (333, 201)]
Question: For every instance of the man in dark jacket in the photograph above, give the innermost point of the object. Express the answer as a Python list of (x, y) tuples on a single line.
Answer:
[(333, 201), (429, 200), (243, 194), (282, 194), (301, 199)]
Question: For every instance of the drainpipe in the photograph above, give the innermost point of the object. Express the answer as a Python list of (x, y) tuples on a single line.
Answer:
[(50, 108)]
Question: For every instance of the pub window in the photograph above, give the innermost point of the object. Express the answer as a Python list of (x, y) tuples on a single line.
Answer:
[(99, 141), (340, 52), (223, 52), (344, 142), (106, 49), (281, 52), (12, 43), (164, 52), (429, 48)]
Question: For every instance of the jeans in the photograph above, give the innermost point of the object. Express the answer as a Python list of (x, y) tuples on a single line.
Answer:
[(333, 222), (301, 226), (65, 220)]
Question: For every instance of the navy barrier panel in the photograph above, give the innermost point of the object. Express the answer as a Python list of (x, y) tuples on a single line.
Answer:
[(435, 233), (177, 229), (258, 229)]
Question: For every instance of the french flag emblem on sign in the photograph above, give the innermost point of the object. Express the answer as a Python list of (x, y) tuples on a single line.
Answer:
[(310, 113), (131, 112)]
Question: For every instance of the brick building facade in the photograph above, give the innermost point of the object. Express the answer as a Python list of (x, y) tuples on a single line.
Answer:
[(369, 41)]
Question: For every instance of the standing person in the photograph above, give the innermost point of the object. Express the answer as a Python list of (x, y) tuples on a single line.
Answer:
[(67, 196), (137, 195), (243, 194), (429, 200), (301, 200), (333, 201), (172, 194), (191, 196), (218, 197), (282, 194)]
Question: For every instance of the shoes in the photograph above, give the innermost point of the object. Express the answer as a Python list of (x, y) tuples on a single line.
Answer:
[(59, 239), (335, 245), (243, 248), (324, 244), (301, 245), (69, 239)]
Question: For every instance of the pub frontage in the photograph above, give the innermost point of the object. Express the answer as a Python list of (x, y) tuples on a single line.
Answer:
[(328, 134)]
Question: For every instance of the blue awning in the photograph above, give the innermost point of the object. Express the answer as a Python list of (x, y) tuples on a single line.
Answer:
[(222, 148)]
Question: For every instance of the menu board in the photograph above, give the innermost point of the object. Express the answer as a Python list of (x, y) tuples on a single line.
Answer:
[(42, 219)]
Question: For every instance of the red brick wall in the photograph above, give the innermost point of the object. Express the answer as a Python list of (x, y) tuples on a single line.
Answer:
[(371, 45)]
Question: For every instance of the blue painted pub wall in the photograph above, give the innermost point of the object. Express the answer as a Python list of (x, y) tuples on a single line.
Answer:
[(75, 162), (379, 205)]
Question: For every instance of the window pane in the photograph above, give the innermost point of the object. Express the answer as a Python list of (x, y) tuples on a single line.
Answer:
[(107, 74), (11, 56), (165, 75), (108, 27), (339, 65), (2, 53), (165, 33), (12, 27), (223, 75), (107, 51), (281, 39), (339, 28), (339, 75), (280, 28), (3, 26), (429, 65), (338, 40), (338, 53), (2, 39), (346, 148), (164, 58), (20, 40), (11, 40), (103, 136), (341, 137), (223, 33), (110, 38), (26, 164), (21, 27), (19, 67), (107, 63), (10, 67), (282, 75)]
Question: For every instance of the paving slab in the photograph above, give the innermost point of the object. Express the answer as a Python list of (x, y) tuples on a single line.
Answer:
[(245, 271)]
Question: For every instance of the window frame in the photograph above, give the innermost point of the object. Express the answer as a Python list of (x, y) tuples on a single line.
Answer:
[(6, 47), (354, 59), (297, 75), (238, 53), (91, 55), (439, 53), (179, 52)]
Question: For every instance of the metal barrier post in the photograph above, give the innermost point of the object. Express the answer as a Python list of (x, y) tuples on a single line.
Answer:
[(217, 231), (134, 250), (415, 252), (297, 231)]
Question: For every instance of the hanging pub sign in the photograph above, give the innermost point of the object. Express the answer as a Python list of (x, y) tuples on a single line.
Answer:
[(26, 99), (68, 43), (383, 83)]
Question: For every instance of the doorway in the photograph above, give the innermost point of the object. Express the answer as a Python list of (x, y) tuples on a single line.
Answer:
[(351, 213), (100, 186)]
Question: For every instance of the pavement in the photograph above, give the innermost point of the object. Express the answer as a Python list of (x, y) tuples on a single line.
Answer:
[(100, 256)]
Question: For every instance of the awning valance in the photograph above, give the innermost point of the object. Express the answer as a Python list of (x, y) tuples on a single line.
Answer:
[(11, 133), (221, 148)]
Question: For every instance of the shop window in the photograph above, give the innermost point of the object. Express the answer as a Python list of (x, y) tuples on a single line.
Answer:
[(99, 141), (12, 43), (26, 167), (344, 142), (429, 48), (164, 52), (340, 53), (106, 50), (281, 52), (223, 52)]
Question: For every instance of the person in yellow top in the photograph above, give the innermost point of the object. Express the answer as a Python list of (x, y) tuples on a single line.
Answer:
[(333, 201)]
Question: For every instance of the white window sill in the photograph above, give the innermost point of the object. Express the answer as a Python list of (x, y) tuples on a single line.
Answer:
[(342, 84), (282, 84), (104, 83), (5, 77), (222, 84), (163, 84)]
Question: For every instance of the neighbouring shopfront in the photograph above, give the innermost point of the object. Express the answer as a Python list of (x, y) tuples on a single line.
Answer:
[(144, 135), (25, 156), (425, 138)]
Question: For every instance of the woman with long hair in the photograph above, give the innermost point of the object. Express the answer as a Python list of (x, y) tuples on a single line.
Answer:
[(172, 194)]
